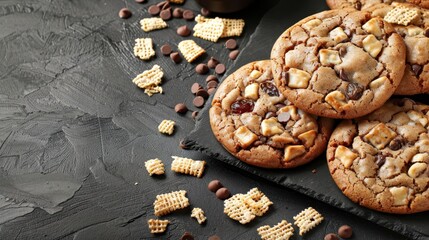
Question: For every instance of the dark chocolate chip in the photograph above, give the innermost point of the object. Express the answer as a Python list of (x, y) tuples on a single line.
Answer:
[(175, 56), (214, 185), (354, 91), (213, 62), (231, 44), (154, 10), (417, 69), (242, 106), (358, 5), (205, 12), (125, 13), (194, 114), (396, 143), (188, 15), (345, 231), (166, 6), (283, 117), (211, 78), (342, 51), (223, 193), (234, 54), (211, 90), (178, 13), (180, 108), (203, 93), (212, 84), (165, 14), (187, 236), (214, 237), (201, 68), (270, 89), (166, 49), (182, 144), (427, 33), (220, 69), (343, 75), (198, 101), (195, 88), (380, 159), (331, 236), (270, 115), (140, 1), (263, 139), (184, 31), (161, 4)]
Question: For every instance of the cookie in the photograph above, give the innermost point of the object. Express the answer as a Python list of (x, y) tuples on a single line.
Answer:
[(380, 161), (365, 4), (339, 63), (253, 121), (415, 32)]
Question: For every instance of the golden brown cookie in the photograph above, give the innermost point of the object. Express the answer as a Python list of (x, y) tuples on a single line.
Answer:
[(365, 4), (380, 161), (339, 63), (255, 122)]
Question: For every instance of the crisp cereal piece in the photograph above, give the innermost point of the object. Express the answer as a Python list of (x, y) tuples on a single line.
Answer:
[(198, 214), (257, 202), (282, 231), (143, 48), (188, 166), (235, 208), (190, 50), (170, 202), (177, 1), (401, 15), (166, 126), (154, 23), (210, 30), (307, 219), (153, 90), (233, 27), (148, 78), (157, 226), (154, 166)]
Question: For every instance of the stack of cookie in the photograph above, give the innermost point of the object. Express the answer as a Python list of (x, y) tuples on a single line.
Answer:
[(339, 64)]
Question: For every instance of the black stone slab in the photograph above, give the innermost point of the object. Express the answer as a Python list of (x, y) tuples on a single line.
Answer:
[(319, 185)]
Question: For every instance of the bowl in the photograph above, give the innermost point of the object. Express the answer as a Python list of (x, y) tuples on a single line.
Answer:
[(224, 6)]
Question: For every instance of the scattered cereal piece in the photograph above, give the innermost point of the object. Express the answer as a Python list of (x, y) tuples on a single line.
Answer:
[(143, 48), (257, 201), (157, 226), (210, 30), (307, 219), (153, 90), (237, 210), (166, 127), (150, 24), (198, 214), (188, 166), (401, 15), (154, 166), (149, 78), (190, 50), (282, 231), (170, 202), (233, 27), (177, 1)]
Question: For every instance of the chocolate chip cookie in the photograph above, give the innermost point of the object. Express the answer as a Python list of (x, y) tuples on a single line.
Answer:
[(365, 4), (253, 120), (381, 160), (412, 23), (339, 63)]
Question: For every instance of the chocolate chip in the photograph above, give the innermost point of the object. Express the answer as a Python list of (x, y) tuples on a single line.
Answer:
[(331, 236), (220, 69), (213, 62), (214, 237), (154, 10), (201, 68), (358, 5), (231, 44), (223, 193), (345, 231), (194, 114), (187, 236), (242, 106), (342, 51), (396, 143), (234, 54), (257, 143), (180, 108), (184, 31), (270, 89), (198, 101), (182, 144), (175, 56), (427, 33), (140, 1), (211, 90), (195, 88), (178, 13), (166, 6), (165, 14), (166, 49), (161, 4), (283, 117), (214, 185), (125, 13), (212, 84), (211, 78), (205, 12), (417, 69), (380, 159), (343, 75), (354, 91), (188, 15), (270, 115), (202, 93)]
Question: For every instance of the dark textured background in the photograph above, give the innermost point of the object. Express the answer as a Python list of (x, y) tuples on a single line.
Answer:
[(75, 132)]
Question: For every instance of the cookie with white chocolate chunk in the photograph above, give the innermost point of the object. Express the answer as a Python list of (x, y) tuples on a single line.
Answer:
[(253, 120), (339, 64), (381, 160)]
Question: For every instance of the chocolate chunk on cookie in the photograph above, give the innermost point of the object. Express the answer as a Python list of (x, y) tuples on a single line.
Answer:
[(256, 124), (376, 175), (339, 63)]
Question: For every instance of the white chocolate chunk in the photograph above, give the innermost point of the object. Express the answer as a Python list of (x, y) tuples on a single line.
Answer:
[(337, 100), (420, 157), (298, 78), (373, 27), (293, 151), (255, 74), (311, 24), (380, 136), (308, 138), (372, 46), (338, 35), (417, 169), (271, 127), (418, 117), (252, 91), (400, 195), (345, 155), (245, 136), (329, 57), (378, 82)]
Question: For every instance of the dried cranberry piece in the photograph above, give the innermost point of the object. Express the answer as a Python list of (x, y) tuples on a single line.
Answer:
[(270, 89), (242, 106)]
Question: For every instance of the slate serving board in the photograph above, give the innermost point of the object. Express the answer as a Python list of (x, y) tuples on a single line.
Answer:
[(319, 185)]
